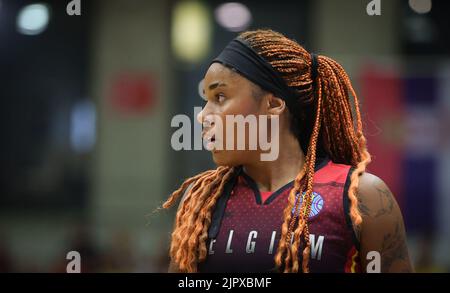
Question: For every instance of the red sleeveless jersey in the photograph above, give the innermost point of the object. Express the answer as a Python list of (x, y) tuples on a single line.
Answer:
[(245, 231)]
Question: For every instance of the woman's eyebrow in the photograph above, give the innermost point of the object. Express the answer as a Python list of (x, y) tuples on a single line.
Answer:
[(216, 84), (213, 86)]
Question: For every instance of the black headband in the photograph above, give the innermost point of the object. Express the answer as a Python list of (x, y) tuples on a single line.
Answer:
[(251, 65), (240, 56)]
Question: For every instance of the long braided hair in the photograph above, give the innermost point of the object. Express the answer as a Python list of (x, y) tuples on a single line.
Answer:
[(324, 122)]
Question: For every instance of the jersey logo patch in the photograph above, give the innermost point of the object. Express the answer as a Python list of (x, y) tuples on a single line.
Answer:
[(316, 204)]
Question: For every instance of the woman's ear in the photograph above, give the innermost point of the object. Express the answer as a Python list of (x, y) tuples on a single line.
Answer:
[(275, 105)]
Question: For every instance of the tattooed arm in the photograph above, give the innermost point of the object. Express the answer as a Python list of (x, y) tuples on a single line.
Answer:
[(382, 229)]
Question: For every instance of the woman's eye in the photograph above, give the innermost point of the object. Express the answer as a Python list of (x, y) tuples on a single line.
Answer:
[(220, 98)]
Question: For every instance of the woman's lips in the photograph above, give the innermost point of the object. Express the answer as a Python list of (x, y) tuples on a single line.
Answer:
[(210, 145), (209, 138)]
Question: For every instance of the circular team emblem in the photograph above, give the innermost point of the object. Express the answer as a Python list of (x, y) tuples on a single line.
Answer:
[(316, 204)]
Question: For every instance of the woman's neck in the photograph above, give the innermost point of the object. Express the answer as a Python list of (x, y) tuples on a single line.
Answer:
[(272, 175)]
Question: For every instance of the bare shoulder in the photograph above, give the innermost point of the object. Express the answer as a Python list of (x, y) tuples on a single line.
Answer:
[(375, 198), (382, 229)]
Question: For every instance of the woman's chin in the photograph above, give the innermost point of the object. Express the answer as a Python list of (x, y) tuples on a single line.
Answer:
[(221, 158), (225, 158), (218, 158)]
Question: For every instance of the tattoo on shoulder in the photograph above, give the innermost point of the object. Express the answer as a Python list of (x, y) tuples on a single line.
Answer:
[(393, 248), (385, 204), (386, 201), (381, 208), (363, 208)]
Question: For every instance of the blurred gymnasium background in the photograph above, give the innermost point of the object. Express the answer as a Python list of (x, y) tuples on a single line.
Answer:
[(87, 102)]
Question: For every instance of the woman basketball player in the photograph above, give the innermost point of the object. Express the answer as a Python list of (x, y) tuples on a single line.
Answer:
[(312, 209)]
